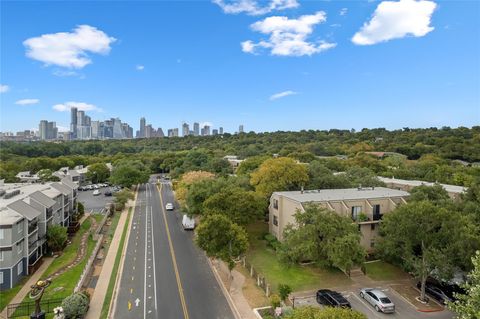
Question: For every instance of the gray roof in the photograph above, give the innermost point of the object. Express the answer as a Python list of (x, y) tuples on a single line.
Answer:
[(8, 216), (42, 199), (24, 209), (69, 183), (449, 188), (324, 195), (62, 189)]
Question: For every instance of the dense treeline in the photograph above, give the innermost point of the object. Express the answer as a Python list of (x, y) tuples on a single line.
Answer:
[(430, 153)]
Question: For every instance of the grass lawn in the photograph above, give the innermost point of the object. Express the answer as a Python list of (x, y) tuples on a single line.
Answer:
[(7, 295), (265, 261), (111, 284), (98, 217), (380, 270)]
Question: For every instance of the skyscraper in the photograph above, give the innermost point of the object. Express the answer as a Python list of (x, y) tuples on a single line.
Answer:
[(240, 129), (220, 130), (214, 131), (206, 130), (196, 129), (185, 129), (73, 122), (142, 127), (47, 130)]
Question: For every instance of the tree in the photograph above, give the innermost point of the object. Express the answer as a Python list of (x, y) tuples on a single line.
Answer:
[(426, 238), (220, 238), (187, 179), (75, 306), (278, 174), (362, 176), (251, 164), (435, 193), (322, 236), (284, 290), (240, 206), (320, 177), (98, 173), (467, 306), (56, 237), (122, 197), (127, 175), (325, 313), (46, 175)]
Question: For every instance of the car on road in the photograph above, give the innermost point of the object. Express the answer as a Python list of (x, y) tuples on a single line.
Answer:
[(188, 223), (435, 292), (96, 192), (378, 300), (169, 206), (332, 298)]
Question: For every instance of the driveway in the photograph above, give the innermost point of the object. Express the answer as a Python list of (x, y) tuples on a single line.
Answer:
[(402, 308), (94, 203)]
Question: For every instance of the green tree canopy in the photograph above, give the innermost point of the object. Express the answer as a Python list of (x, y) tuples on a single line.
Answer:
[(128, 173), (425, 238), (220, 238), (435, 193), (250, 164), (279, 174), (56, 237), (98, 173), (324, 313)]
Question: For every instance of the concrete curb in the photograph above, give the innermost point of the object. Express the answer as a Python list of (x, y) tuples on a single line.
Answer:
[(113, 301), (234, 309), (411, 304)]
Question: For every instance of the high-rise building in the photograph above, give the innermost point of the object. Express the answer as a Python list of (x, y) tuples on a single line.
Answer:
[(142, 127), (73, 122), (196, 129), (80, 118), (95, 129), (240, 129), (175, 132), (206, 130), (149, 131), (214, 132), (117, 128), (220, 130), (160, 132), (185, 129), (47, 130)]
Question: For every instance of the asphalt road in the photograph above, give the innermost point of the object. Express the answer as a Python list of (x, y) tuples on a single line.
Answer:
[(164, 274)]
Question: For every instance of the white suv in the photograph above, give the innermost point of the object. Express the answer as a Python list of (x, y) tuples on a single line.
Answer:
[(169, 206)]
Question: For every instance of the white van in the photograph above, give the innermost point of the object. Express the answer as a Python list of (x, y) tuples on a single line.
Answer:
[(188, 223)]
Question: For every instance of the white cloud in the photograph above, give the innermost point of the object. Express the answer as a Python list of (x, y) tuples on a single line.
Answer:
[(4, 88), (253, 7), (140, 67), (27, 101), (64, 73), (395, 20), (69, 49), (343, 11), (62, 128), (288, 37), (79, 105), (279, 95)]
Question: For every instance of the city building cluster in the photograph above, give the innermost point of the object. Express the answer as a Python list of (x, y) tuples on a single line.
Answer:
[(82, 127)]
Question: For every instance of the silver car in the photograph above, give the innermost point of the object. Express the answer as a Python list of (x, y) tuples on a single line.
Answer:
[(378, 300)]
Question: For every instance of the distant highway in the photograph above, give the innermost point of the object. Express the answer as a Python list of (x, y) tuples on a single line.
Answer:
[(164, 274)]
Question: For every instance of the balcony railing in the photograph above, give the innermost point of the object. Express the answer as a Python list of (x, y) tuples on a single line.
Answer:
[(49, 213), (32, 228), (377, 216)]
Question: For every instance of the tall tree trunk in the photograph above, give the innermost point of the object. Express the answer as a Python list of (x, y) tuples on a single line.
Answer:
[(423, 278)]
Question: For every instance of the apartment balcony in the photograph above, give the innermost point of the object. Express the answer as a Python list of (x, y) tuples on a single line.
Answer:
[(377, 217), (32, 245), (49, 213), (33, 227)]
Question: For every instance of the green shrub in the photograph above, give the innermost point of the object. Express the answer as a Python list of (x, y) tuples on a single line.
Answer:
[(284, 291), (56, 237), (75, 306), (275, 301)]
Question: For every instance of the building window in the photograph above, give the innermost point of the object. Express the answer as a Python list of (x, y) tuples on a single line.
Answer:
[(275, 203), (356, 211), (275, 220), (20, 247), (2, 236), (20, 268), (1, 278), (372, 226), (20, 227), (1, 255)]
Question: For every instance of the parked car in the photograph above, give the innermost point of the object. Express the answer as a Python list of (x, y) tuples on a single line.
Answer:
[(435, 292), (332, 298), (188, 223), (107, 193), (169, 206), (95, 186), (378, 300), (89, 187), (96, 192)]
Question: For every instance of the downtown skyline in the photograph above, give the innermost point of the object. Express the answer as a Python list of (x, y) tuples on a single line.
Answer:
[(338, 74)]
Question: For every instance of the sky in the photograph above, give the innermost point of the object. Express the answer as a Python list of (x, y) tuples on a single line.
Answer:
[(269, 65)]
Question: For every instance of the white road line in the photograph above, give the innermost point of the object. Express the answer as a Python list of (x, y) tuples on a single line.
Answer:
[(145, 271), (154, 272)]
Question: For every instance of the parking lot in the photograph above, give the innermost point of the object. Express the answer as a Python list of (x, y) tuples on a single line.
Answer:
[(402, 308), (94, 203)]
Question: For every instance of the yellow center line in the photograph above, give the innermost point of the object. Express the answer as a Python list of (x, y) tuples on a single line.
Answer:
[(174, 260)]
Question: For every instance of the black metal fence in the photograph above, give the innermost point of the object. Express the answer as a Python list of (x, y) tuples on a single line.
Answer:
[(27, 308)]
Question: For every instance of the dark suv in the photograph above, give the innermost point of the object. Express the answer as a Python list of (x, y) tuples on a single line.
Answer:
[(332, 298), (435, 292)]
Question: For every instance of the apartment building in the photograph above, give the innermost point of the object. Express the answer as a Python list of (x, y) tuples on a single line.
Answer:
[(365, 206), (26, 212), (454, 191)]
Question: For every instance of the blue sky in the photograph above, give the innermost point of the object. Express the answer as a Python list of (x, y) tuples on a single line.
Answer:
[(272, 65)]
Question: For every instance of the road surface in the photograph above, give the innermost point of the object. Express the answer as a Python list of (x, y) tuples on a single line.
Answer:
[(164, 274)]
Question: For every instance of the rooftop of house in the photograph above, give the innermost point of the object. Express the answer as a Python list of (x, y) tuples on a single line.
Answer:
[(23, 190), (8, 216), (323, 195), (24, 209), (449, 188)]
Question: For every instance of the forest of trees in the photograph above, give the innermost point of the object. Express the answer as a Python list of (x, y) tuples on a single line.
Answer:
[(431, 154)]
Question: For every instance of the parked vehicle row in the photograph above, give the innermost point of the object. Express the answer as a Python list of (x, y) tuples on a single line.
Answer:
[(93, 186), (374, 297)]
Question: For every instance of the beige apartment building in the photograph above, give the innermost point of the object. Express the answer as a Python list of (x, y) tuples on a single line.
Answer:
[(365, 206)]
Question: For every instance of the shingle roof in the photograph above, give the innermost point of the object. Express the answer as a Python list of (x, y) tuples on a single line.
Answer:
[(324, 195), (24, 209)]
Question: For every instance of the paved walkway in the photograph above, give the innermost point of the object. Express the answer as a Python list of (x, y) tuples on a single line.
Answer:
[(31, 281), (96, 303)]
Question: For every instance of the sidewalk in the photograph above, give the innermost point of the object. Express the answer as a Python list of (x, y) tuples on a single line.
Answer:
[(96, 303), (26, 287)]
